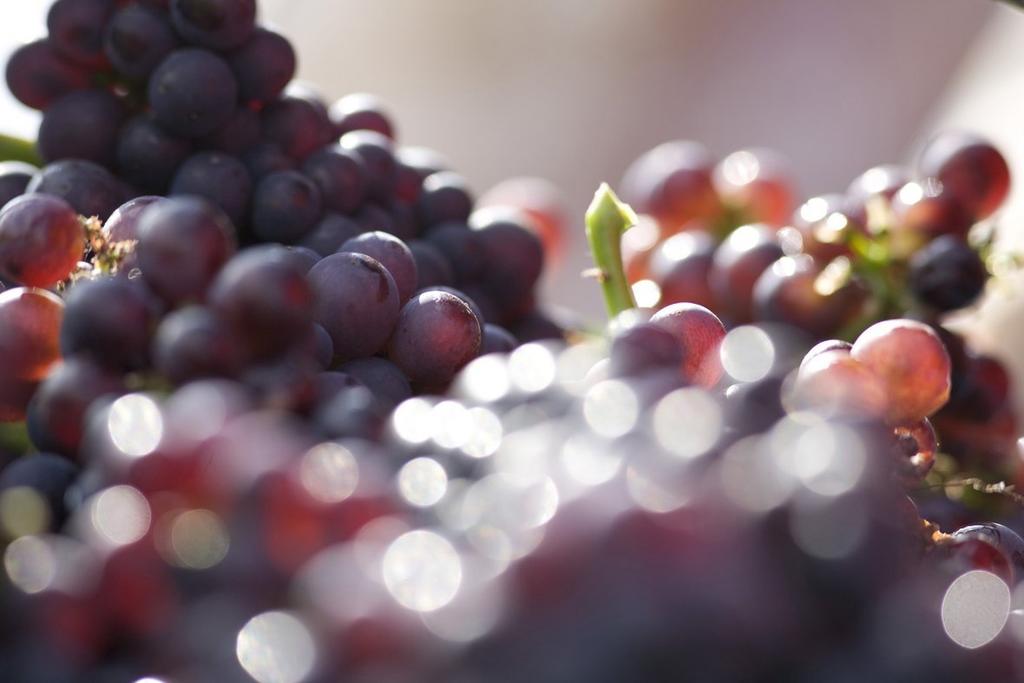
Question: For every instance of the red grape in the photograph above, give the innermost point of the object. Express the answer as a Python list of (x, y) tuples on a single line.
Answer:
[(699, 333), (759, 183), (739, 262), (837, 384), (681, 267), (969, 168), (41, 240), (792, 292), (30, 321), (672, 183), (437, 333)]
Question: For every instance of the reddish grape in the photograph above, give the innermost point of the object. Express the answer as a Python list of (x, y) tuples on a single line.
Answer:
[(37, 76), (30, 321), (76, 30), (123, 224), (360, 111), (822, 347), (879, 181), (824, 224), (543, 202), (644, 348), (699, 334), (681, 267), (110, 320), (924, 211), (757, 182), (835, 383), (436, 335), (1002, 537), (910, 360), (445, 197), (296, 125), (672, 183), (970, 168), (41, 240), (739, 262)]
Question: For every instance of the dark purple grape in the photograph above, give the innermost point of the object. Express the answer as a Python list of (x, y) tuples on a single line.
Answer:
[(264, 65), (56, 415), (513, 262), (50, 476), (373, 218), (497, 340), (296, 125), (353, 413), (266, 299), (378, 155), (322, 347), (341, 177), (76, 30), (970, 168), (462, 247), (644, 348), (403, 221), (37, 76), (738, 263), (753, 407), (123, 224), (787, 292), (240, 133), (286, 206), (147, 155), (41, 240), (14, 179), (387, 382), (219, 178), (183, 242), (266, 158), (301, 258), (89, 188), (193, 92), (330, 233), (445, 197), (111, 321), (193, 343), (432, 267), (360, 111), (216, 24), (436, 335), (137, 39), (392, 254), (947, 274), (356, 301), (82, 125)]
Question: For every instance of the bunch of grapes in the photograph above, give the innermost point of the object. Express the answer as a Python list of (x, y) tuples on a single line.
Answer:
[(729, 236), (279, 405)]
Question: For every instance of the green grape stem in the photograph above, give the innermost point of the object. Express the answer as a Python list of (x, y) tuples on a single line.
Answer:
[(606, 220), (16, 149)]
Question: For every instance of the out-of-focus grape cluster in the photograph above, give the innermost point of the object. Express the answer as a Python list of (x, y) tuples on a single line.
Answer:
[(278, 404), (731, 235)]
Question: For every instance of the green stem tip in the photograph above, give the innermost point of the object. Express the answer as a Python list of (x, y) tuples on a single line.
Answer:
[(607, 218), (16, 149)]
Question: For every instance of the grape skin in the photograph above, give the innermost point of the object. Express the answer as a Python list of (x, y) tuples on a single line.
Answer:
[(436, 335), (41, 240), (699, 334)]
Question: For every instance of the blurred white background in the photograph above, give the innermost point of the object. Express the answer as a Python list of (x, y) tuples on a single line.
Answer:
[(573, 90)]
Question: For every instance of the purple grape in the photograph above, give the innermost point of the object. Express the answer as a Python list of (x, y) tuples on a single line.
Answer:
[(341, 177), (444, 198), (377, 153), (286, 206), (330, 233), (41, 240), (56, 415), (110, 320), (947, 274), (432, 268), (536, 326), (266, 158), (14, 179), (147, 155), (89, 188), (265, 297), (738, 263), (264, 65), (514, 259), (37, 76), (216, 24), (353, 413), (436, 335), (137, 39), (322, 347), (299, 257), (82, 125), (193, 343), (360, 111), (123, 224), (240, 133), (392, 254), (356, 301), (182, 244), (387, 382), (192, 92), (471, 301), (76, 30), (373, 217), (220, 179), (497, 340), (644, 348), (462, 247), (296, 125)]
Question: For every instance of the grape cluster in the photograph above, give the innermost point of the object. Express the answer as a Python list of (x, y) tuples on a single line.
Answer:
[(730, 236), (278, 404)]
